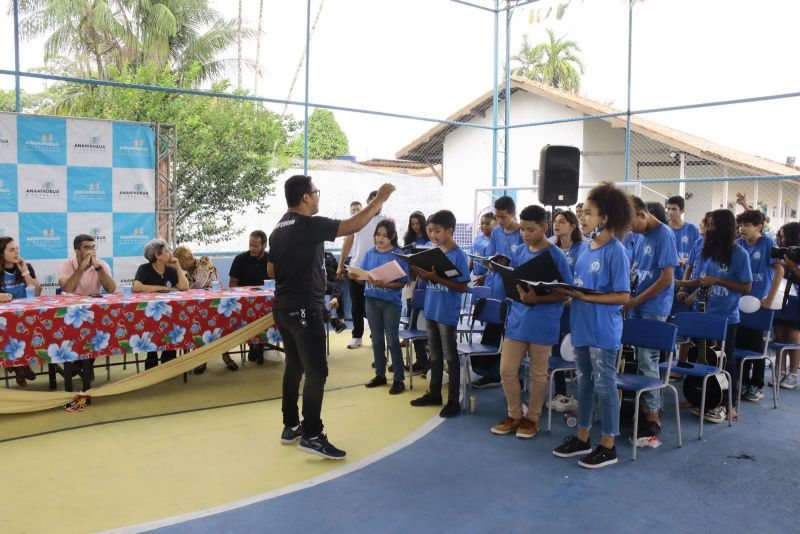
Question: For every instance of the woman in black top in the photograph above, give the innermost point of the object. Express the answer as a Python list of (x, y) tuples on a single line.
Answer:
[(161, 274)]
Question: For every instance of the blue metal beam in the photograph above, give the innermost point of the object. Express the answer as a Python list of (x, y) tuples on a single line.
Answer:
[(470, 4), (495, 98), (305, 100), (17, 91), (628, 106)]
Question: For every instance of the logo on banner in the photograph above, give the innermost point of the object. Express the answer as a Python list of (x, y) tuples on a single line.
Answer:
[(47, 236), (135, 236), (137, 147), (4, 141), (95, 144), (47, 190), (45, 143), (49, 282), (92, 190), (135, 191), (98, 235)]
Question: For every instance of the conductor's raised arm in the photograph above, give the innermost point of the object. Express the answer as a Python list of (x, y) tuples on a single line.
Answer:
[(360, 219)]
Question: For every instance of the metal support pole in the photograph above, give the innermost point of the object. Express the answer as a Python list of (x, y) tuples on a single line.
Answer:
[(495, 98), (628, 109), (507, 105), (17, 98), (682, 173), (305, 104)]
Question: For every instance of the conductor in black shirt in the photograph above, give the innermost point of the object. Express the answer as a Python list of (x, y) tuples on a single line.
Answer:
[(297, 262)]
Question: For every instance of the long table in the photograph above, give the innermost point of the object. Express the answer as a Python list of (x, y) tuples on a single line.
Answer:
[(67, 328)]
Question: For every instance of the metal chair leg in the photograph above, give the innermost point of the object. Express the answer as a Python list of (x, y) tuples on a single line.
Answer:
[(550, 399), (677, 414), (636, 422)]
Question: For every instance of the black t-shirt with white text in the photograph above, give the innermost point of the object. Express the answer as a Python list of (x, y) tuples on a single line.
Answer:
[(296, 247), (148, 276)]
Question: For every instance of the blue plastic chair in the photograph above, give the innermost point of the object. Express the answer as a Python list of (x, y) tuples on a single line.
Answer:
[(790, 312), (555, 365), (488, 311), (411, 335), (657, 335), (709, 327), (760, 320), (466, 326)]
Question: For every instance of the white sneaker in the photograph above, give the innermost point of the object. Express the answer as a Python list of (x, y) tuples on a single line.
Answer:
[(780, 379), (563, 403), (354, 343), (789, 381), (716, 415)]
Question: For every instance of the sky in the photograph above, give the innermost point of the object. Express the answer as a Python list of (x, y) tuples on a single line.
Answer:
[(429, 58)]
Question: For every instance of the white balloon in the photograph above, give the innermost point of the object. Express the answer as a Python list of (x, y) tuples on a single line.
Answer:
[(749, 304), (567, 350)]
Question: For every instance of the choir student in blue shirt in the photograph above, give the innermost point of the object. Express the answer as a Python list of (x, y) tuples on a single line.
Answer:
[(442, 312), (767, 275), (383, 303), (654, 260), (416, 235), (532, 328), (685, 233), (596, 324), (480, 245), (725, 270)]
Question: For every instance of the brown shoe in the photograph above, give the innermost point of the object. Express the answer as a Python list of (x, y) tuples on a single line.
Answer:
[(527, 428), (28, 372), (506, 426), (20, 377)]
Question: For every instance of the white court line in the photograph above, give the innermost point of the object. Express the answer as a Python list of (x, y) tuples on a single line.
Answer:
[(348, 468)]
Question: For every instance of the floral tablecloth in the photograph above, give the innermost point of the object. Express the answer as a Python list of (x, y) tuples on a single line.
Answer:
[(70, 327)]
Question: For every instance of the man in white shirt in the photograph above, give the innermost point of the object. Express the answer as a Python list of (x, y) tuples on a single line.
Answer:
[(85, 274), (356, 246)]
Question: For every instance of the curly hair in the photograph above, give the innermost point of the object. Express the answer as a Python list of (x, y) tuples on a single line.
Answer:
[(720, 241), (613, 204)]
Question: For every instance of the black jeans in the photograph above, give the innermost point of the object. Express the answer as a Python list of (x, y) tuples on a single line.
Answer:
[(304, 343), (358, 307), (442, 346), (152, 358)]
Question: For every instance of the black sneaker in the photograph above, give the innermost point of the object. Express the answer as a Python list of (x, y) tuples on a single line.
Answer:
[(339, 326), (376, 381), (650, 428), (391, 368), (290, 435), (572, 446), (451, 409), (486, 383), (427, 400), (252, 355), (418, 369), (321, 447), (398, 386), (599, 457)]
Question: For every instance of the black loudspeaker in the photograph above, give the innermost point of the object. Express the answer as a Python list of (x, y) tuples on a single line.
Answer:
[(558, 175)]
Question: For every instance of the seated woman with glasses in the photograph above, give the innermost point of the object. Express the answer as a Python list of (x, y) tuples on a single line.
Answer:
[(162, 273)]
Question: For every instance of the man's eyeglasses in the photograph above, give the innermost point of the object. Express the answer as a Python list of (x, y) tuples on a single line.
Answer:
[(315, 192)]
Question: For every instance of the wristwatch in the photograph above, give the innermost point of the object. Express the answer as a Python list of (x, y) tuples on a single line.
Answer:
[(98, 268)]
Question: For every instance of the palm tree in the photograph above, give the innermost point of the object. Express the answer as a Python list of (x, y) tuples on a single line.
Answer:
[(555, 63)]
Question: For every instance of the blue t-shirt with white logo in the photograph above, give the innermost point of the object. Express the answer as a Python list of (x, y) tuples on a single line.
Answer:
[(630, 241), (574, 253), (441, 303), (761, 264), (12, 286), (694, 257), (721, 300), (540, 323), (374, 259), (655, 251), (503, 243), (684, 241), (606, 269), (479, 247)]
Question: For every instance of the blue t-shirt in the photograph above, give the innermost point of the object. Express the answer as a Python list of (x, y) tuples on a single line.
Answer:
[(694, 257), (10, 284), (606, 269), (502, 243), (479, 247), (721, 300), (540, 323), (630, 241), (574, 253), (684, 241), (374, 259), (422, 241), (761, 265), (655, 251), (442, 304)]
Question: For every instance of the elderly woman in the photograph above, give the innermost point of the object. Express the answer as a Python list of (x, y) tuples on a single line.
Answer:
[(17, 275), (200, 273), (162, 273)]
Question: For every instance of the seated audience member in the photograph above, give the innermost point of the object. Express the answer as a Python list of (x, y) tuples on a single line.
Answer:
[(17, 275), (162, 273), (787, 330), (200, 273), (250, 269), (85, 274)]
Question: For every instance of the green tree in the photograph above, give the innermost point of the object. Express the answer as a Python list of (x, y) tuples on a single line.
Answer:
[(229, 153), (555, 63), (326, 139)]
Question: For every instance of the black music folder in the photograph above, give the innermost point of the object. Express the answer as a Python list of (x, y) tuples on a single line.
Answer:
[(542, 268), (432, 258)]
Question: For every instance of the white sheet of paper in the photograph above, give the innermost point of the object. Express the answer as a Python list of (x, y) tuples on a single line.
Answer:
[(388, 272)]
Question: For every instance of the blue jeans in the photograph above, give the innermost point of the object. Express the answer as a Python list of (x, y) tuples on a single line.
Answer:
[(384, 322), (648, 366), (597, 371)]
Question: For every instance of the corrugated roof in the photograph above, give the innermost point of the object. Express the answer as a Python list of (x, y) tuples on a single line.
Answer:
[(428, 148)]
